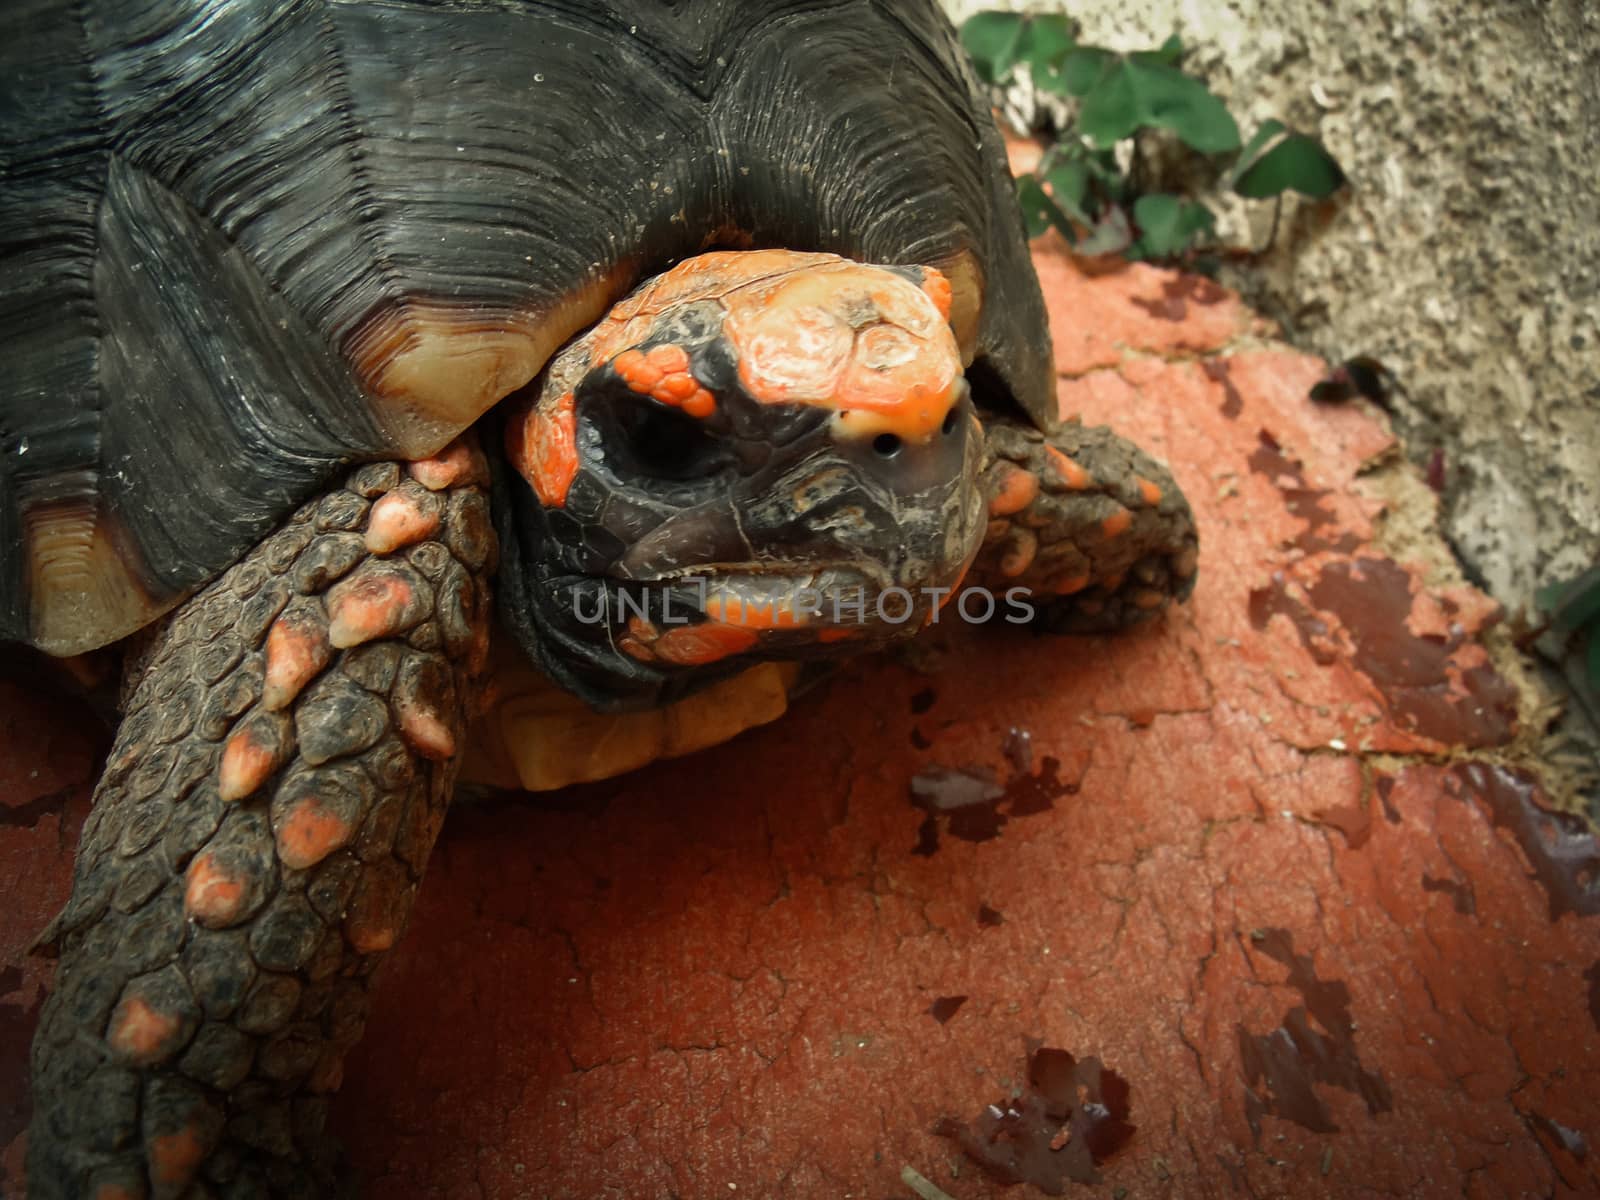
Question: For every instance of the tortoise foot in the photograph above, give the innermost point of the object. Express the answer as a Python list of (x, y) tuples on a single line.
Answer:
[(1094, 529), (283, 767)]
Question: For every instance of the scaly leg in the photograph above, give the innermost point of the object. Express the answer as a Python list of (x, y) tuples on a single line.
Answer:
[(1094, 528), (284, 764)]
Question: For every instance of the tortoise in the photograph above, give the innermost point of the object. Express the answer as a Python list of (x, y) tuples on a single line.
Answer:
[(284, 285)]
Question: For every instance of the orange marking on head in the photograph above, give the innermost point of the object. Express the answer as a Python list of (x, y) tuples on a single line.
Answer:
[(141, 1035), (835, 633), (700, 405), (634, 648), (637, 371), (211, 896), (310, 832), (668, 359), (426, 733), (675, 389), (1075, 583), (695, 645), (1018, 488), (543, 447), (373, 608), (246, 764), (1116, 523), (297, 650), (174, 1157), (1074, 476), (856, 339), (397, 520), (1149, 492), (938, 289), (735, 610), (457, 461)]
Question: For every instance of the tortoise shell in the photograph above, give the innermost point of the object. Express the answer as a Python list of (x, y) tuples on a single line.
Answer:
[(245, 244)]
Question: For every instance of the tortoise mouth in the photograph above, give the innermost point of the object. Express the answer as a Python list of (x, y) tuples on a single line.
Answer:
[(784, 608)]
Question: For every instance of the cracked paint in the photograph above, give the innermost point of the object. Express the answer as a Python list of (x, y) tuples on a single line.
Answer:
[(716, 977)]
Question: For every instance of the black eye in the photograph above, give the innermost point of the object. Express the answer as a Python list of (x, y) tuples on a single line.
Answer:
[(950, 419), (886, 444), (664, 443)]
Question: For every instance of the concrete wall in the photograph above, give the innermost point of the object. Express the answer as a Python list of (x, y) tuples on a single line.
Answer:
[(1467, 255)]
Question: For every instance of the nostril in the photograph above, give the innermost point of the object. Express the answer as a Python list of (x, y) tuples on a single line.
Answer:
[(949, 425), (887, 445)]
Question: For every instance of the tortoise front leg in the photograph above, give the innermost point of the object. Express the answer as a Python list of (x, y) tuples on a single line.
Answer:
[(1094, 528), (283, 767)]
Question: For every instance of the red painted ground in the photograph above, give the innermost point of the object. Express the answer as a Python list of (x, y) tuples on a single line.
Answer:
[(1277, 888)]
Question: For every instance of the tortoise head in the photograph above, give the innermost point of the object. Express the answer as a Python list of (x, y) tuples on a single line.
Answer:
[(758, 455)]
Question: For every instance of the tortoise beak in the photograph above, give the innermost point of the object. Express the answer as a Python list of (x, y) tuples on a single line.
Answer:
[(845, 520)]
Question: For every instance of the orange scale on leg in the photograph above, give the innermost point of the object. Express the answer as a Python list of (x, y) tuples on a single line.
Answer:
[(1074, 476), (1117, 523), (374, 608), (140, 1034), (249, 757), (212, 897), (175, 1157), (1017, 490), (309, 833)]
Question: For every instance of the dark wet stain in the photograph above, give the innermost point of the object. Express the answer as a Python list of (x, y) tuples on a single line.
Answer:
[(988, 918), (1354, 821), (919, 739), (1570, 1140), (945, 1007), (1071, 1118), (922, 701), (1461, 894), (1560, 847), (1018, 749), (1178, 293), (27, 814), (1216, 370), (16, 1033), (1384, 786), (975, 807), (1591, 976), (1421, 684), (1372, 600), (1281, 1068), (1276, 600), (1302, 500)]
